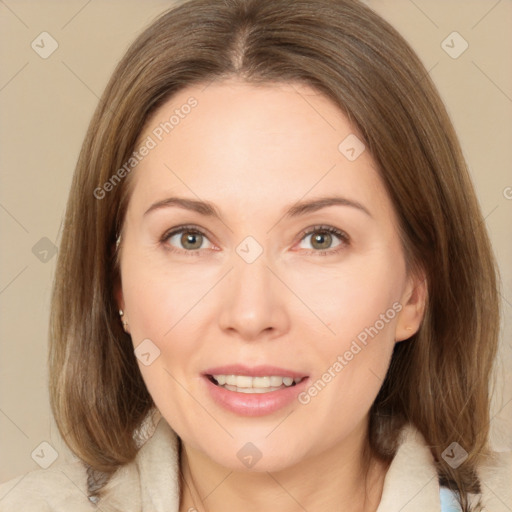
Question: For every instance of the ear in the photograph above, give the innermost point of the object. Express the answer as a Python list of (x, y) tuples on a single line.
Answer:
[(413, 302), (118, 294)]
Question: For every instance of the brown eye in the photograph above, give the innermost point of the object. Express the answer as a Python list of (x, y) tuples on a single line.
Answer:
[(185, 239), (322, 239), (191, 240)]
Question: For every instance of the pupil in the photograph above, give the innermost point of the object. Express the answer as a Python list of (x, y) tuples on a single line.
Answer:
[(190, 238), (321, 238)]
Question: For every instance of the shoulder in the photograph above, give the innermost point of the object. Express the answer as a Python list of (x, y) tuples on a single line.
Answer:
[(59, 488), (496, 481), (63, 486), (412, 480), (495, 477)]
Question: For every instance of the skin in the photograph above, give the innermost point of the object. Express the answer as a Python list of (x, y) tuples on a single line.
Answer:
[(253, 151)]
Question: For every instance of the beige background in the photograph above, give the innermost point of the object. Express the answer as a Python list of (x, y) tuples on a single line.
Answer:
[(46, 105)]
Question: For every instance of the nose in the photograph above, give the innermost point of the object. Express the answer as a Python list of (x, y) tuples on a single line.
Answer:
[(253, 302)]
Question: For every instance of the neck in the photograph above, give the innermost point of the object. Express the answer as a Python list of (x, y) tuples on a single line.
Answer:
[(346, 477)]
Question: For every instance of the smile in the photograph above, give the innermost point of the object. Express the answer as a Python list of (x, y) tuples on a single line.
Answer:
[(253, 391), (248, 384)]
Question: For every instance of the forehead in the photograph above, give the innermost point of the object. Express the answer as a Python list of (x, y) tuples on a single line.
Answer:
[(256, 145)]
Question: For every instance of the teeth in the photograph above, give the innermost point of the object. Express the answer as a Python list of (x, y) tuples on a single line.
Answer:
[(250, 390), (276, 381), (256, 382), (230, 379), (248, 384)]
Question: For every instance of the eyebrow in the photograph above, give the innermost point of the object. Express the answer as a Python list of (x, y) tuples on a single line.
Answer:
[(301, 208)]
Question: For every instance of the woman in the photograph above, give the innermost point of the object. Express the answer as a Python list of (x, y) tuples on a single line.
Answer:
[(275, 288)]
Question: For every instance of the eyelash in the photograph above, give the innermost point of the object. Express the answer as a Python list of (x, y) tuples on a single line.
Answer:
[(344, 238)]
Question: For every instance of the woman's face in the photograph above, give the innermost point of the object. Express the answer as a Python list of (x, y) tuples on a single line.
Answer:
[(268, 280)]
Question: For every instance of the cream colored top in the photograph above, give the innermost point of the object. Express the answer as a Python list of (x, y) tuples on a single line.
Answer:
[(150, 483)]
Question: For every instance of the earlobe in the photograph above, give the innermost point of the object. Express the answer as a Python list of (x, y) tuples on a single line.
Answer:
[(125, 323), (118, 295), (414, 300)]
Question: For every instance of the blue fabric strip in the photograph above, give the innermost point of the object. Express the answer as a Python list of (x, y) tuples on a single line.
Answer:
[(449, 501)]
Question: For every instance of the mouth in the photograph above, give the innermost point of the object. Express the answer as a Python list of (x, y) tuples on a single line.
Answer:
[(253, 391), (250, 384)]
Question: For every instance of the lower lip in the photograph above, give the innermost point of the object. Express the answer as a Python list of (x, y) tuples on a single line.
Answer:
[(254, 404)]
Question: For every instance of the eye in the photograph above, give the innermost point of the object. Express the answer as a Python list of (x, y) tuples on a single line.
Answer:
[(185, 239), (190, 239), (322, 238)]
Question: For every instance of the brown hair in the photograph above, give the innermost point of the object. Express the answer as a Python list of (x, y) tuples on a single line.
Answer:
[(438, 380)]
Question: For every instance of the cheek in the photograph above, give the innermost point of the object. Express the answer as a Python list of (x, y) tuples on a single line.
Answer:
[(158, 296), (358, 304), (169, 305), (350, 367), (350, 297), (164, 306)]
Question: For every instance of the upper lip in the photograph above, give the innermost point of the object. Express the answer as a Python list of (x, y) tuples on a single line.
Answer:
[(254, 371)]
